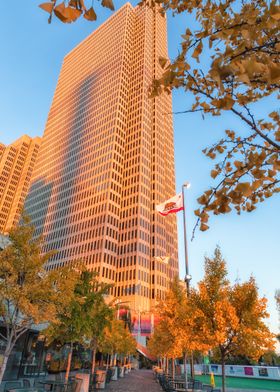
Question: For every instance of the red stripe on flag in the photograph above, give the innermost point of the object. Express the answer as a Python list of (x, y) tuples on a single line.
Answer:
[(173, 211)]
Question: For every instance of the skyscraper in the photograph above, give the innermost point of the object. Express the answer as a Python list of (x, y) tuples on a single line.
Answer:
[(16, 165), (107, 158)]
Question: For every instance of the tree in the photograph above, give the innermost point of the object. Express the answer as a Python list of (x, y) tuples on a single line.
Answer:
[(84, 318), (277, 297), (29, 295), (232, 315), (117, 339), (270, 358), (101, 316), (70, 12), (242, 42), (179, 331), (242, 39)]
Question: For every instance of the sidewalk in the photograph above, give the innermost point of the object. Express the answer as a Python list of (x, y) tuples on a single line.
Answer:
[(136, 381)]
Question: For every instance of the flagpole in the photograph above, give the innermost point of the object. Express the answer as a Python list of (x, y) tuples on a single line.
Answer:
[(188, 276)]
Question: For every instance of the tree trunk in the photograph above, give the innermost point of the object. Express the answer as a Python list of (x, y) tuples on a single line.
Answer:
[(11, 341), (69, 360), (92, 369), (173, 368), (93, 361), (107, 361), (4, 365), (223, 374), (185, 370), (192, 366)]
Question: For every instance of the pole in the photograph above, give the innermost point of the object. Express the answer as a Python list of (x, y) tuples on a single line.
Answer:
[(188, 276)]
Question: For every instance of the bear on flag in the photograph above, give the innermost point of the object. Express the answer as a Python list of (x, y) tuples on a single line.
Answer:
[(171, 206)]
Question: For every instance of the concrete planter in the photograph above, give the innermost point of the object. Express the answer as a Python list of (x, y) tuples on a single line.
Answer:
[(121, 371), (115, 373), (100, 379), (85, 381)]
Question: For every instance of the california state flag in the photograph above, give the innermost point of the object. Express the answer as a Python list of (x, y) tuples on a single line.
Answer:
[(171, 206)]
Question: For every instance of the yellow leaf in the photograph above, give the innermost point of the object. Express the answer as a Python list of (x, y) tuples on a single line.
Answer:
[(275, 12), (228, 103), (274, 73), (61, 12), (48, 7), (244, 188), (67, 14), (202, 199), (245, 34), (238, 164), (224, 103), (214, 173), (90, 14), (108, 4), (162, 61), (244, 78), (197, 51), (73, 3), (204, 227)]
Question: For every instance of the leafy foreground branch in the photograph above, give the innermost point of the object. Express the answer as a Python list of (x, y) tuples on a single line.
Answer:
[(217, 315), (243, 42), (70, 11), (242, 39), (28, 294)]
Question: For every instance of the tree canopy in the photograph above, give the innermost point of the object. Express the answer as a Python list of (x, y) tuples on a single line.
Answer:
[(233, 315), (29, 295), (228, 62), (227, 318), (117, 339), (85, 317), (71, 10), (178, 330), (231, 62)]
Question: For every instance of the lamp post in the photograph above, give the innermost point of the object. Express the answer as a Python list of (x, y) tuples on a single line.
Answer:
[(188, 277)]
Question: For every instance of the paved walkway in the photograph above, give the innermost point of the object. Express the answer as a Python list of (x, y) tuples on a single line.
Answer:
[(249, 390), (136, 381)]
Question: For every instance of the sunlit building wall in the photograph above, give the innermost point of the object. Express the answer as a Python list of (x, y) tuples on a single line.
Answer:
[(107, 158), (16, 165)]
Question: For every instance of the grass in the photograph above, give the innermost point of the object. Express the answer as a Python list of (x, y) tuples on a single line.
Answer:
[(244, 383)]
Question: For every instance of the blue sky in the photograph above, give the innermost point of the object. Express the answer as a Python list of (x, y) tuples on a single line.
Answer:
[(31, 56)]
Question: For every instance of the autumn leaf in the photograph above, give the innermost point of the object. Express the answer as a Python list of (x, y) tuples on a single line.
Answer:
[(197, 51), (224, 103), (108, 4), (67, 14), (162, 61), (275, 12), (244, 188), (214, 173), (90, 14), (48, 7), (204, 227)]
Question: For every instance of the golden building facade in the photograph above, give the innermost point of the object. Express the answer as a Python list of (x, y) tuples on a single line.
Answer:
[(107, 158), (16, 165)]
